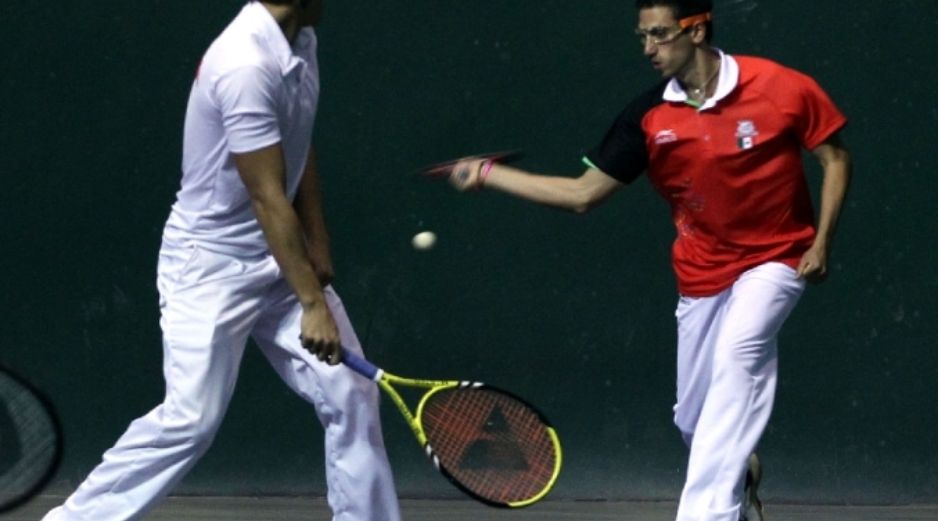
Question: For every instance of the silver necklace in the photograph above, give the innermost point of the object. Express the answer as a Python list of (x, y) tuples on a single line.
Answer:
[(701, 91)]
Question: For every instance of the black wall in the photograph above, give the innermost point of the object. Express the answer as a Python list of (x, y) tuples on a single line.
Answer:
[(573, 312)]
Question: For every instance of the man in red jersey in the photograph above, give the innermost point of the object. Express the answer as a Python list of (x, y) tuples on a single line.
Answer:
[(720, 139)]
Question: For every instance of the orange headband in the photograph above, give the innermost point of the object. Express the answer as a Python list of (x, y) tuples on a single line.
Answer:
[(691, 21)]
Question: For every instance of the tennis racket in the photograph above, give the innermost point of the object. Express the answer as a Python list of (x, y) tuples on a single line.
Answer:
[(489, 443), (445, 169), (30, 441)]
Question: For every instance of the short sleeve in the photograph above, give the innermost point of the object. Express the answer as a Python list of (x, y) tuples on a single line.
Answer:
[(247, 99), (816, 116), (623, 151)]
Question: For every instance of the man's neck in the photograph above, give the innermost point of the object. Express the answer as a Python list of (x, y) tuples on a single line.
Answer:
[(287, 18), (698, 77)]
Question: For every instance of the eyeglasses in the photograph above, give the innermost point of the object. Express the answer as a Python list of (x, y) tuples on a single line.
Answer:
[(659, 35), (665, 35)]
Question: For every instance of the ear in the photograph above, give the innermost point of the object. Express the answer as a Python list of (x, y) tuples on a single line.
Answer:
[(698, 33)]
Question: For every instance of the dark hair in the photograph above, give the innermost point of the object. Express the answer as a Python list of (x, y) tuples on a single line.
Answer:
[(303, 3), (682, 9)]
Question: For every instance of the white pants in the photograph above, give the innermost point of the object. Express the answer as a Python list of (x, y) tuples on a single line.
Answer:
[(210, 303), (726, 374)]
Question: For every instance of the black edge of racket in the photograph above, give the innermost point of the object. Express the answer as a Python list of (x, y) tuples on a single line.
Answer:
[(549, 438), (482, 499), (17, 389), (444, 169)]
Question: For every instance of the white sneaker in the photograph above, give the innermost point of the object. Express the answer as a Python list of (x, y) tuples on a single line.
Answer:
[(752, 505)]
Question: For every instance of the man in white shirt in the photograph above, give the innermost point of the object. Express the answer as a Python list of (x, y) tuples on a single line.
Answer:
[(245, 253)]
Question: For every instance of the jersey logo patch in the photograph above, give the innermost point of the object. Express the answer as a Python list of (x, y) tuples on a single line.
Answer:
[(746, 133), (665, 136)]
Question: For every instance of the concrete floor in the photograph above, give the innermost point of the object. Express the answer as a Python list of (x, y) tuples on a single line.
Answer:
[(315, 509)]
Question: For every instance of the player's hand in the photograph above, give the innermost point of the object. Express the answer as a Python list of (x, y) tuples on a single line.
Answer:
[(813, 265), (465, 175), (320, 335)]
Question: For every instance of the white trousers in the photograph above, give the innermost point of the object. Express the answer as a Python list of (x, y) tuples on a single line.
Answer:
[(727, 365), (210, 304)]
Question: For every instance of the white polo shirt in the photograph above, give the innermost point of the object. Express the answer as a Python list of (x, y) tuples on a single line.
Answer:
[(252, 90)]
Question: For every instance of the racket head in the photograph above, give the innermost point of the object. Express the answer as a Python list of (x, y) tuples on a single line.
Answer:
[(445, 168), (30, 440), (490, 443)]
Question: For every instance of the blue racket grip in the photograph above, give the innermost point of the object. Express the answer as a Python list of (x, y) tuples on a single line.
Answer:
[(360, 365)]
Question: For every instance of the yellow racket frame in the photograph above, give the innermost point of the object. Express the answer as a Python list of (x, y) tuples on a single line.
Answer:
[(387, 381)]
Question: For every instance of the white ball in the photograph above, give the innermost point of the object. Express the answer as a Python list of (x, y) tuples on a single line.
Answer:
[(424, 240)]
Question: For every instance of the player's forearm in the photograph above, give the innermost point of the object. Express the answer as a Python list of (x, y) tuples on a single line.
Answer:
[(285, 237), (308, 205), (837, 171), (262, 172), (313, 221), (557, 191)]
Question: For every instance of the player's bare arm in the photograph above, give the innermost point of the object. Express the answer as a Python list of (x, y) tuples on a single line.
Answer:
[(576, 194), (835, 161), (262, 172), (308, 205)]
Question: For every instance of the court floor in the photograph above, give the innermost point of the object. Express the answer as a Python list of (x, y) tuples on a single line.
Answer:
[(315, 509)]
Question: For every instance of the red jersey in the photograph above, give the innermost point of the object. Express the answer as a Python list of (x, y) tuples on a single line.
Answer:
[(731, 170)]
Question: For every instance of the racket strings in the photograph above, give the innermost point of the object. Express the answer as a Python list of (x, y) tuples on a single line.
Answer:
[(491, 443)]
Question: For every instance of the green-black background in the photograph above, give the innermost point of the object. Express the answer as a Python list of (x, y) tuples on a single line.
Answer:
[(573, 312)]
